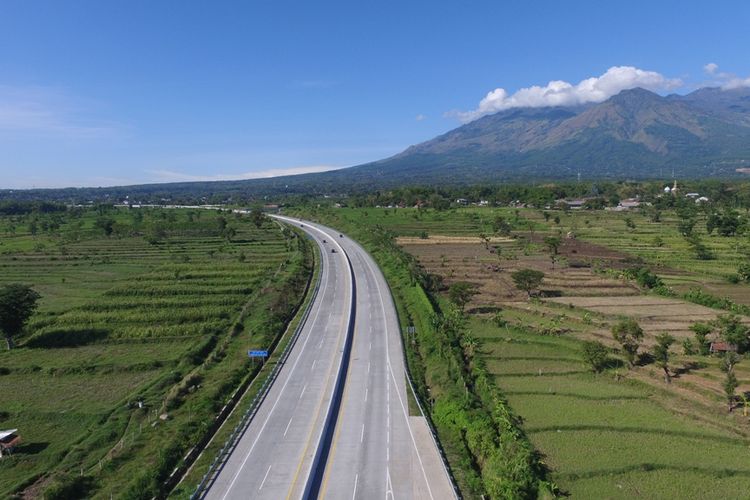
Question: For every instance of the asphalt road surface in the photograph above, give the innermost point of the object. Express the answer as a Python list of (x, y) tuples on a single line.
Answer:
[(376, 449)]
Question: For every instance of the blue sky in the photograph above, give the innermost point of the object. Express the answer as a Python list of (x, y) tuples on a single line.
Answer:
[(96, 93)]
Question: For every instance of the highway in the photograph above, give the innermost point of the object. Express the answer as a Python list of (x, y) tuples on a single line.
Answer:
[(304, 442)]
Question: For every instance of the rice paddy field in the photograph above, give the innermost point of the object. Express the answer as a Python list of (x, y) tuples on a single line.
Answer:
[(623, 433), (140, 336), (610, 438)]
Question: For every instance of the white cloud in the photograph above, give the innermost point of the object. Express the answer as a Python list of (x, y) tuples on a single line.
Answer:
[(710, 68), (736, 83), (724, 80), (561, 93), (47, 111), (173, 176), (420, 117)]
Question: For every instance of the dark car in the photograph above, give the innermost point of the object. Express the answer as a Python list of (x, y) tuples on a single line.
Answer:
[(333, 250)]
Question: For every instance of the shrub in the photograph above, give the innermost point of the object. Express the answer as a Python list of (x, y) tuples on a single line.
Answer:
[(629, 334), (595, 354)]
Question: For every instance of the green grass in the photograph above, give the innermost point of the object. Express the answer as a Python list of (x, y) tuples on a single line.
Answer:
[(608, 229), (121, 320), (604, 438), (413, 222)]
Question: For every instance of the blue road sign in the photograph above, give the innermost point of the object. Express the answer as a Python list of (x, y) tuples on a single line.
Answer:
[(257, 354)]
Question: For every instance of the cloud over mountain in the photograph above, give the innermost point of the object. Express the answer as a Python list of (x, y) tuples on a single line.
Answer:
[(561, 93)]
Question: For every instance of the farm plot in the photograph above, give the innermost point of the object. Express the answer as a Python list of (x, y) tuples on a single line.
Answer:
[(654, 314), (489, 267), (604, 438), (623, 427), (123, 320)]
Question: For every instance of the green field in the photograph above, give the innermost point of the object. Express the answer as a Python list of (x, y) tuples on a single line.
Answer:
[(604, 438), (160, 311), (619, 434)]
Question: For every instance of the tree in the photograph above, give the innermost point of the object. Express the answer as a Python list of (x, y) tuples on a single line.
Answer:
[(460, 293), (595, 355), (702, 331), (702, 252), (654, 215), (469, 344), (730, 382), (106, 224), (501, 226), (629, 334), (221, 222), (629, 223), (661, 353), (257, 217), (730, 385), (553, 245), (527, 280), (688, 347), (743, 271), (17, 303), (685, 227), (732, 331)]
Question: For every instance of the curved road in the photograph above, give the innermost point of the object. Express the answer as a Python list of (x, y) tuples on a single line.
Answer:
[(377, 450)]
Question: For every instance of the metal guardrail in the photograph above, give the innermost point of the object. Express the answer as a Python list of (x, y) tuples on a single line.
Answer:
[(257, 400)]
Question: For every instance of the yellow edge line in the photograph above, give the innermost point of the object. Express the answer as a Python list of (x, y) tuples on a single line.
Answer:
[(324, 486), (309, 436)]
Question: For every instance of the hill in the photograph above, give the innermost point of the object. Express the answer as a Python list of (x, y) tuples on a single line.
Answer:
[(636, 134)]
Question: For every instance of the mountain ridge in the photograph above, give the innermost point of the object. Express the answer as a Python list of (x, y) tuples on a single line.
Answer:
[(635, 134)]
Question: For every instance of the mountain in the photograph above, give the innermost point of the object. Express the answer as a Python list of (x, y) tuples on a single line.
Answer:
[(635, 134)]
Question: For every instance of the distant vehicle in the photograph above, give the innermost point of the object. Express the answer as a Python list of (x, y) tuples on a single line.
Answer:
[(324, 241), (341, 235), (301, 225), (333, 250)]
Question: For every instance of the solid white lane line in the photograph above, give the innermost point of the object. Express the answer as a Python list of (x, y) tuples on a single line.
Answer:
[(287, 426), (264, 478), (356, 479), (362, 434)]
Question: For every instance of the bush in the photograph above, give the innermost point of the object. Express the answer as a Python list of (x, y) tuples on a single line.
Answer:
[(69, 488), (595, 354)]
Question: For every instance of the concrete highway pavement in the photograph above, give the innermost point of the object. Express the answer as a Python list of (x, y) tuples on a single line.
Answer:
[(376, 450), (273, 458)]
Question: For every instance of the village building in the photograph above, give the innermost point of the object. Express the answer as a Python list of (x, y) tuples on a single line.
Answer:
[(717, 347), (9, 439)]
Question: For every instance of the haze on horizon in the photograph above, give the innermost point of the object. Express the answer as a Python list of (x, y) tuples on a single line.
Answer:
[(94, 94)]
